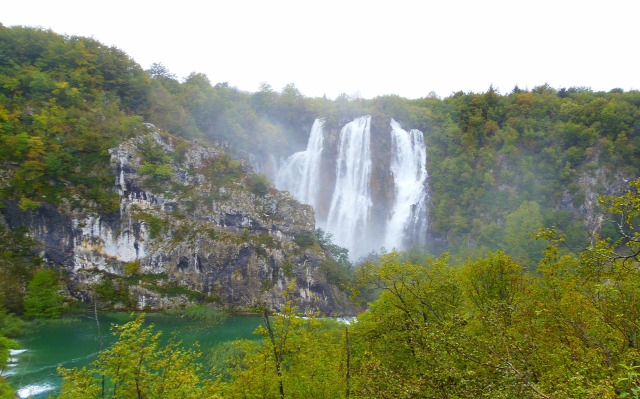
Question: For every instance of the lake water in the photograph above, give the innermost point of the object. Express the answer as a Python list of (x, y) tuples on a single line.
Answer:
[(33, 368)]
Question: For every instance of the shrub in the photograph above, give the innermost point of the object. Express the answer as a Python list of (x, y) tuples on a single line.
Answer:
[(306, 239), (259, 185), (201, 313)]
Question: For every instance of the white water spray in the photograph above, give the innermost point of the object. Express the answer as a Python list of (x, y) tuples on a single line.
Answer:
[(351, 202), (407, 218), (350, 217), (300, 173)]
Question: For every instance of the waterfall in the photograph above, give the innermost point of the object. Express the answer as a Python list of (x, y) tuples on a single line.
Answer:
[(407, 219), (300, 173), (351, 202), (356, 219)]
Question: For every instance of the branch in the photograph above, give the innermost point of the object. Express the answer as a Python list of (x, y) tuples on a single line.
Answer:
[(522, 376)]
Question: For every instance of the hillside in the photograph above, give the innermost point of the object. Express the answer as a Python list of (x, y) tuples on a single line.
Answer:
[(131, 189), (499, 165), (131, 216)]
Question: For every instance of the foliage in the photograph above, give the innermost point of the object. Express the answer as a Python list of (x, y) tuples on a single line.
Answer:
[(489, 328), (287, 269), (259, 184), (63, 102), (132, 268), (113, 291), (137, 366), (156, 162), (305, 239), (489, 154), (6, 392), (10, 325), (224, 171), (42, 299), (338, 268), (632, 382), (325, 239), (154, 224), (519, 226), (297, 358), (17, 262), (5, 345), (222, 358)]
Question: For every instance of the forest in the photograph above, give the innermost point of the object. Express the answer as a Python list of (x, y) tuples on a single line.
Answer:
[(484, 328), (528, 286)]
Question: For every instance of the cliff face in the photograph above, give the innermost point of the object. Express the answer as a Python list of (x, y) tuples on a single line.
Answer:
[(193, 224)]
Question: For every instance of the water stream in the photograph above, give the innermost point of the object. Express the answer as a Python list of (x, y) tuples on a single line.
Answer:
[(407, 217), (300, 173), (350, 212), (351, 203)]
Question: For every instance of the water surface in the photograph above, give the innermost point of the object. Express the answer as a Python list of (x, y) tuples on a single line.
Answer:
[(33, 368)]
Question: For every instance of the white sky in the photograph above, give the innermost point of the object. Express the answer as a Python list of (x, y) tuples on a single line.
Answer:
[(370, 47)]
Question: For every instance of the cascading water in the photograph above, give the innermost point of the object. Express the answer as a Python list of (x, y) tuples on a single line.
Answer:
[(351, 202), (300, 173), (407, 218), (347, 208)]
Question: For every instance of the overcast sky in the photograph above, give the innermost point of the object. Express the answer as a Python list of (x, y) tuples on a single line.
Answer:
[(370, 48)]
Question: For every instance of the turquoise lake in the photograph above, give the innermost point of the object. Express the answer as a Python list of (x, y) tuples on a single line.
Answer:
[(33, 368)]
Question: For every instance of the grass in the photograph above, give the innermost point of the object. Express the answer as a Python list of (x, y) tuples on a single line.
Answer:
[(200, 313)]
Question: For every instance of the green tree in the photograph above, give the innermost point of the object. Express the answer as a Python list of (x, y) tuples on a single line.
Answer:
[(8, 324), (297, 358), (259, 184), (16, 265), (489, 329), (520, 225), (42, 299), (137, 366)]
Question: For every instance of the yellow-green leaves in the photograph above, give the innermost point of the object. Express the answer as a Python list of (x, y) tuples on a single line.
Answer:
[(137, 366)]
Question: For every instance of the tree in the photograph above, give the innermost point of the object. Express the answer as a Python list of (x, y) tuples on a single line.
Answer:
[(16, 265), (259, 184), (489, 328), (137, 366), (8, 324), (158, 70), (42, 299), (519, 227), (297, 358)]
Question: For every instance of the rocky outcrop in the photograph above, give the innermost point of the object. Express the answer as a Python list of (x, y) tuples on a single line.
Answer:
[(193, 224), (591, 185)]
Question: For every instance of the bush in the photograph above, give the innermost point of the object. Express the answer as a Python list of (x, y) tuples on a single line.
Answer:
[(259, 185), (287, 269), (306, 239), (10, 325), (132, 268), (137, 366), (200, 313), (107, 291)]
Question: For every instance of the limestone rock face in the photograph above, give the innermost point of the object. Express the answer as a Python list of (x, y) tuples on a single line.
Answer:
[(191, 226)]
